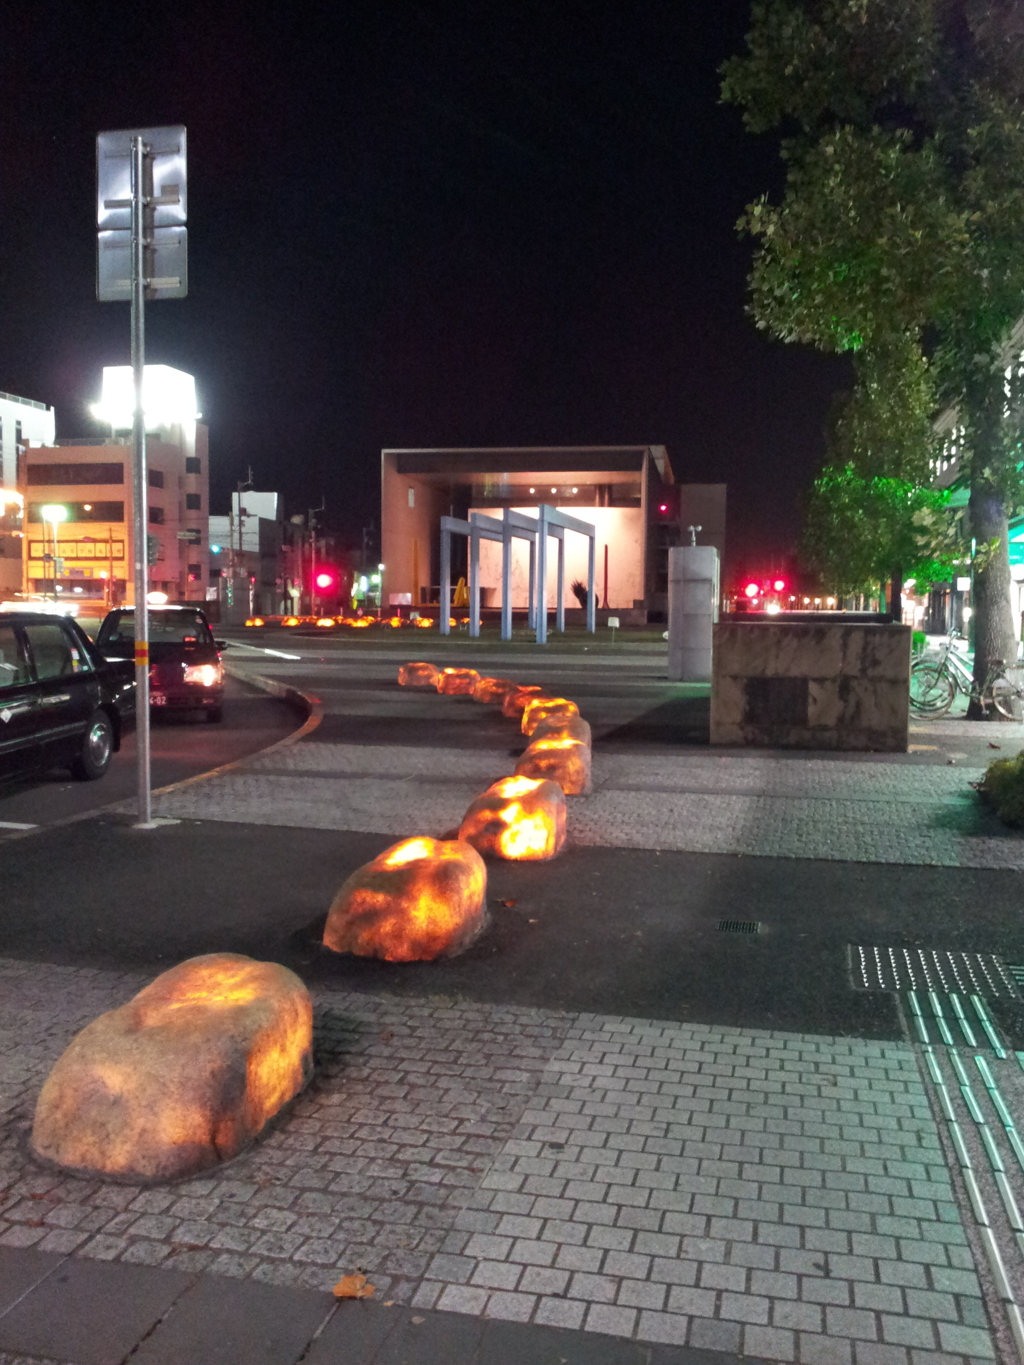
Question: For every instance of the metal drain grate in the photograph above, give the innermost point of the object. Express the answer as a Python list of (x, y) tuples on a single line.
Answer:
[(739, 926), (932, 969)]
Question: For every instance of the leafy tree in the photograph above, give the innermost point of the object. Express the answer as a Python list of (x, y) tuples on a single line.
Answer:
[(902, 219)]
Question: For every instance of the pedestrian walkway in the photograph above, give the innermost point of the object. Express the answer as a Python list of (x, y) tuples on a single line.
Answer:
[(756, 805), (783, 1196)]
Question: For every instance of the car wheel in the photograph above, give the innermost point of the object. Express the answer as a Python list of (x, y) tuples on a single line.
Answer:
[(96, 749), (215, 715)]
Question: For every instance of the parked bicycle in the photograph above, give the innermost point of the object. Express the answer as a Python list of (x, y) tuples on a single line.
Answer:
[(936, 682)]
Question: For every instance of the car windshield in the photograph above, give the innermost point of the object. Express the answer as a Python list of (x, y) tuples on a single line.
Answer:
[(165, 627)]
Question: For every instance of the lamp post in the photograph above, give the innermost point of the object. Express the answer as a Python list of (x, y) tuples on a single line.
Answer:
[(54, 514)]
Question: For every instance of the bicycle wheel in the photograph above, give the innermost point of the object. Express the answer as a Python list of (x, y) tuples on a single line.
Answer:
[(931, 690), (1006, 698)]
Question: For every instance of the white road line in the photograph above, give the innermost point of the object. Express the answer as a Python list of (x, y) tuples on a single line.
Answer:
[(259, 649), (15, 824)]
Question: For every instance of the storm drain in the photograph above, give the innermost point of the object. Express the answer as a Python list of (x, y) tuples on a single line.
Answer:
[(739, 926), (933, 970)]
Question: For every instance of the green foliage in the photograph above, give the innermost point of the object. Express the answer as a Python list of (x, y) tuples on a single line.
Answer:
[(858, 526), (1003, 788)]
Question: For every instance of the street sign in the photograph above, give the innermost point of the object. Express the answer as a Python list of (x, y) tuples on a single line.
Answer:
[(165, 210), (193, 537)]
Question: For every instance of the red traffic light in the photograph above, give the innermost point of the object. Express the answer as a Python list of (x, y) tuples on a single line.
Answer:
[(779, 585), (325, 579), (751, 590)]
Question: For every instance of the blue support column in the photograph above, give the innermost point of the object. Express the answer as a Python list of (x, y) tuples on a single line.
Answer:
[(591, 584), (560, 581), (542, 575), (446, 581), (531, 596), (474, 584), (506, 580)]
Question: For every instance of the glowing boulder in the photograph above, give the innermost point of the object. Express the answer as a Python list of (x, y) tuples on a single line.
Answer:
[(512, 706), (418, 675), (565, 761), (563, 727), (492, 691), (518, 818), (457, 682), (182, 1077), (420, 899), (539, 708)]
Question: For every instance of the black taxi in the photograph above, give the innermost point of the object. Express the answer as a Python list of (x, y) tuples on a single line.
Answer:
[(62, 704), (185, 671)]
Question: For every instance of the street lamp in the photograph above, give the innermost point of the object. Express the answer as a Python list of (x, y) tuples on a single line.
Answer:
[(54, 514)]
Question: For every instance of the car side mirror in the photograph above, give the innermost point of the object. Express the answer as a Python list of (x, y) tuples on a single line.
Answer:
[(221, 644)]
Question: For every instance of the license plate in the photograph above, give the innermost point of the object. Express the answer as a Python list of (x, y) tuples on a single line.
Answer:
[(157, 699)]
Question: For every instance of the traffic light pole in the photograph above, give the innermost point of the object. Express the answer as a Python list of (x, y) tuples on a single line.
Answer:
[(140, 490)]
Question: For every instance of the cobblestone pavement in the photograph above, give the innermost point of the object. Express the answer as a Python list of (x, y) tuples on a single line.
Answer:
[(783, 1195), (749, 804)]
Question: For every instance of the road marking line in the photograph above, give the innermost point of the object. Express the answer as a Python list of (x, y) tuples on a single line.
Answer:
[(259, 649), (15, 824)]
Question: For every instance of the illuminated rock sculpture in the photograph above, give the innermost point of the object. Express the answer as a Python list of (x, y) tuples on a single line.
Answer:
[(521, 819), (182, 1077), (563, 727), (512, 706), (493, 691), (420, 899), (539, 708), (565, 761), (457, 682), (418, 675)]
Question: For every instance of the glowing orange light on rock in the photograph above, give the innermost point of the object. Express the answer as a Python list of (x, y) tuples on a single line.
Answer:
[(418, 675), (424, 623), (325, 622), (512, 706), (419, 900), (290, 621), (395, 622), (183, 1076), (492, 691), (457, 682), (563, 727), (521, 819), (539, 708), (565, 761), (255, 621)]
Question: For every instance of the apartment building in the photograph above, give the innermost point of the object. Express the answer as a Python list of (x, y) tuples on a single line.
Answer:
[(83, 546), (24, 422)]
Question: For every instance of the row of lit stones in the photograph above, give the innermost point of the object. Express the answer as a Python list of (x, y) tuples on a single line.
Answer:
[(426, 898), (191, 1070)]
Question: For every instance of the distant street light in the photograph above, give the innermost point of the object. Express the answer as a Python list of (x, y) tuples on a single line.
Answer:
[(54, 514)]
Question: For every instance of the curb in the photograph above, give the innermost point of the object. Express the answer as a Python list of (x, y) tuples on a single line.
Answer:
[(312, 705)]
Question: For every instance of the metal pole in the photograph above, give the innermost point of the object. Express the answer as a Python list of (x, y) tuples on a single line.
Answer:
[(145, 809), (474, 584), (560, 585), (444, 613), (591, 585), (542, 575), (506, 580)]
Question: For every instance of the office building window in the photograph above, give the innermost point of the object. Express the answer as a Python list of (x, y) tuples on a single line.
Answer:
[(156, 516), (48, 475), (156, 478), (82, 511), (194, 502), (193, 464)]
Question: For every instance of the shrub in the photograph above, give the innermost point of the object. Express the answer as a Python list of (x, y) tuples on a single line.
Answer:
[(1003, 788), (579, 591)]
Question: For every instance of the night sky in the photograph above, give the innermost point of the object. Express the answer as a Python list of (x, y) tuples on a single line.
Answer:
[(417, 224)]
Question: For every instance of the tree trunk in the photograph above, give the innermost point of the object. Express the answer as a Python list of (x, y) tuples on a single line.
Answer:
[(896, 595), (994, 636)]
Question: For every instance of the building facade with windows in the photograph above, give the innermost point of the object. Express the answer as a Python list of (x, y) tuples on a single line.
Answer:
[(628, 493), (24, 422)]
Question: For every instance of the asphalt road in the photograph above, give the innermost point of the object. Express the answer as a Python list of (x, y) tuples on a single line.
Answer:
[(181, 746)]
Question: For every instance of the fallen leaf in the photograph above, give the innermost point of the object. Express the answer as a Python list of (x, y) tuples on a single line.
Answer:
[(417, 1321), (994, 746), (353, 1287), (533, 921), (507, 904), (389, 1303)]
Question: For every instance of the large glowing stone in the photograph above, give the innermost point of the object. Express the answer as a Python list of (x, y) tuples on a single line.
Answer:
[(182, 1077), (563, 727), (512, 706), (417, 675), (419, 900), (457, 682), (539, 708), (518, 818), (493, 691), (565, 761)]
